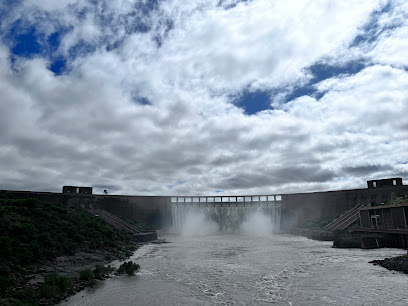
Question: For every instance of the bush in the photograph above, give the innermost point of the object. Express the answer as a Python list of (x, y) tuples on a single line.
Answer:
[(20, 303), (4, 283), (54, 284), (27, 296), (129, 268), (5, 247), (87, 274), (101, 271), (49, 291)]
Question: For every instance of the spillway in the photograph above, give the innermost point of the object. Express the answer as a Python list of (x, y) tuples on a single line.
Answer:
[(261, 218)]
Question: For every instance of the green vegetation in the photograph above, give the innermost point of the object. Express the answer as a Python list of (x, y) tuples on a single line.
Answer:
[(128, 267), (317, 223), (5, 281), (395, 201), (88, 276), (344, 239), (54, 285), (356, 223), (33, 233), (347, 239), (27, 296), (99, 273)]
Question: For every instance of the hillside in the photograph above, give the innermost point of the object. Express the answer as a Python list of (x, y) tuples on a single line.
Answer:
[(33, 233)]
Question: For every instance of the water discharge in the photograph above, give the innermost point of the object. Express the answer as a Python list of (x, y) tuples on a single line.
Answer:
[(240, 269), (190, 219)]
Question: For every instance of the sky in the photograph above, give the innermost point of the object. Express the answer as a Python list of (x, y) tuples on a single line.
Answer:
[(204, 97)]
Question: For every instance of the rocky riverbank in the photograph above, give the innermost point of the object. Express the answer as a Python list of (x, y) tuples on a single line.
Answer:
[(29, 284), (50, 251), (399, 263)]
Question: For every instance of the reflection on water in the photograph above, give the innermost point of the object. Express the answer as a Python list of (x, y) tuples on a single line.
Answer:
[(244, 270)]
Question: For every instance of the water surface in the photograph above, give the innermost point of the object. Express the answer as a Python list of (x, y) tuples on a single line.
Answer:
[(248, 270)]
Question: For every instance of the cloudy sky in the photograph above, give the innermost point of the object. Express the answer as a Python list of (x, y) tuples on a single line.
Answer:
[(172, 97)]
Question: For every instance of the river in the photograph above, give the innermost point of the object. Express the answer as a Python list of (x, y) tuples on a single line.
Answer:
[(232, 269)]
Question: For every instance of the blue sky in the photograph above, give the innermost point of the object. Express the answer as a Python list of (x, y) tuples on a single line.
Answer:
[(27, 39), (231, 96)]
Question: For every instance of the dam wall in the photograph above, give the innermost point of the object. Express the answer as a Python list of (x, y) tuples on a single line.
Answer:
[(298, 207), (156, 210)]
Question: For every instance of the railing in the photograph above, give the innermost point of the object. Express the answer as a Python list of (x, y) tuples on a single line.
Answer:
[(345, 219), (115, 221), (228, 200)]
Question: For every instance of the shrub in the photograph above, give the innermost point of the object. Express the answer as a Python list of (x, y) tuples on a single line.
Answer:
[(129, 268), (87, 274), (62, 282), (49, 291), (27, 296), (19, 303), (54, 284), (101, 271), (5, 246), (4, 283)]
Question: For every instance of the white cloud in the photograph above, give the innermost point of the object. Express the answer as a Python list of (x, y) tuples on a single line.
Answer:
[(392, 48), (261, 43), (87, 127)]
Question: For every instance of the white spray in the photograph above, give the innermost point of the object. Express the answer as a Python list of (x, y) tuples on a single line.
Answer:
[(190, 219)]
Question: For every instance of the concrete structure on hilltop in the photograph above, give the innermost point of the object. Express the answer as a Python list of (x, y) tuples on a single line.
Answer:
[(396, 181), (77, 189)]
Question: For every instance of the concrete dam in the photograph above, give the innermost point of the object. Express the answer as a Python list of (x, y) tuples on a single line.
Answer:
[(199, 215), (284, 210)]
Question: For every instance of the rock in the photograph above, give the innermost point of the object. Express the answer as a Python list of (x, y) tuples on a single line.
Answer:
[(399, 263)]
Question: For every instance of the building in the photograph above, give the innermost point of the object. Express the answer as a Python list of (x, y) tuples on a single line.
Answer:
[(77, 189), (391, 219), (396, 181)]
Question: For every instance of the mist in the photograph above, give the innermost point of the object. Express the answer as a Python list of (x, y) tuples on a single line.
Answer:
[(197, 224), (258, 224), (194, 220)]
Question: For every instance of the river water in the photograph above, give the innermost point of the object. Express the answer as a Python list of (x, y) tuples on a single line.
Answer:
[(242, 269)]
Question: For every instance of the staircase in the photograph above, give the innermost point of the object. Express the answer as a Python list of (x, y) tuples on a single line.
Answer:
[(345, 219), (115, 221), (138, 234)]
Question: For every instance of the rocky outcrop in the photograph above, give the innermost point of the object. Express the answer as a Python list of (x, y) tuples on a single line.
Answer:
[(399, 263)]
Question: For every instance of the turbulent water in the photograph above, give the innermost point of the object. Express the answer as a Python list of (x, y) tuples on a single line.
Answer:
[(192, 219), (243, 269)]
